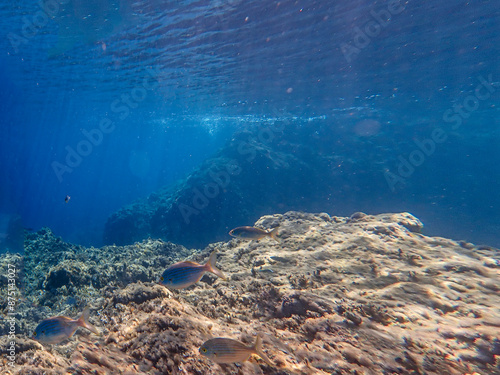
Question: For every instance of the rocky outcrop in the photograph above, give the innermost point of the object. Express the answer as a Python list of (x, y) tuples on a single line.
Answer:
[(262, 169), (364, 294)]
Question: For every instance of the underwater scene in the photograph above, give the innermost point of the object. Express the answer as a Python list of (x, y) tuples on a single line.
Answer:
[(215, 187)]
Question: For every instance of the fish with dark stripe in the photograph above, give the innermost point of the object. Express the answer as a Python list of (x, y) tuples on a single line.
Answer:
[(183, 274)]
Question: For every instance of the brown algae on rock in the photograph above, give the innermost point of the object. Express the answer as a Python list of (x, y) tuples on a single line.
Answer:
[(367, 294)]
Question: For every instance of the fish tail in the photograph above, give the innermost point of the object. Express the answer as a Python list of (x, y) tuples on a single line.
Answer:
[(260, 353), (274, 233), (210, 266), (83, 321)]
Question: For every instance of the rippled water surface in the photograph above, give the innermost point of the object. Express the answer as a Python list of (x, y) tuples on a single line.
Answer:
[(178, 77)]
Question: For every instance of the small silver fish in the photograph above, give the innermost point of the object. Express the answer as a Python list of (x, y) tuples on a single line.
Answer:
[(59, 328), (223, 350), (184, 274), (253, 233)]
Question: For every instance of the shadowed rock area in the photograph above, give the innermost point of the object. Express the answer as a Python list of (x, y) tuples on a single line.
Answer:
[(332, 165), (261, 170), (337, 295)]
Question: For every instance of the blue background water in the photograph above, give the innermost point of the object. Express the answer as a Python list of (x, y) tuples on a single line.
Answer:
[(222, 63)]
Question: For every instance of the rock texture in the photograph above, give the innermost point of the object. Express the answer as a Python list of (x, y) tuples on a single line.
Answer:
[(337, 295)]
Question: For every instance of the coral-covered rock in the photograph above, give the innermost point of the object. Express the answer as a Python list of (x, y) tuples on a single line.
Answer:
[(342, 295), (139, 293)]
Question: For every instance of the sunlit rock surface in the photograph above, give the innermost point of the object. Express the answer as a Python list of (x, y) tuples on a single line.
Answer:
[(337, 295)]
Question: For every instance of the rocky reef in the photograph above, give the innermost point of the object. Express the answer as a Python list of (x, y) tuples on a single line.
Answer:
[(365, 294), (261, 170), (337, 165)]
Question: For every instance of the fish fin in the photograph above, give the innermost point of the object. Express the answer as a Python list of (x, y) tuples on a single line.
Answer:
[(74, 331), (260, 353), (83, 321), (274, 233), (210, 266), (190, 262)]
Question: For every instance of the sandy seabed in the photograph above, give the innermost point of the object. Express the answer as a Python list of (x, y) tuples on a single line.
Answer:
[(359, 295)]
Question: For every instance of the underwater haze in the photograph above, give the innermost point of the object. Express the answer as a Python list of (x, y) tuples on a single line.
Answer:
[(250, 187), (106, 102)]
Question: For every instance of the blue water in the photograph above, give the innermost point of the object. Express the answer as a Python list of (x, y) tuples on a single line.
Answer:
[(168, 82)]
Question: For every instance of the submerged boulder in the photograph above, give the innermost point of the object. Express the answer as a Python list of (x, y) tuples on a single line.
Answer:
[(260, 170)]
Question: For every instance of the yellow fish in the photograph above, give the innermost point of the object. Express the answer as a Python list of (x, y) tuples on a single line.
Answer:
[(253, 233), (223, 350)]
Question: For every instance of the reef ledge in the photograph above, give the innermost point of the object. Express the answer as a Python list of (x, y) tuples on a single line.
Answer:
[(365, 294)]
